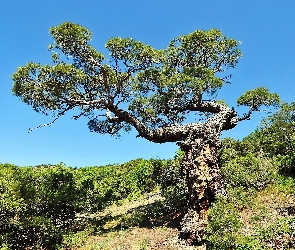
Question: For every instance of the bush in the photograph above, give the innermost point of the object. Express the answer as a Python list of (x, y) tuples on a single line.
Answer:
[(224, 225), (248, 243), (230, 149), (275, 138), (39, 204), (50, 192), (135, 178), (286, 164), (279, 235), (173, 186), (11, 202), (36, 232), (249, 172), (91, 194)]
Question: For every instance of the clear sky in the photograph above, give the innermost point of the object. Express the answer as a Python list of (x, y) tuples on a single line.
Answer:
[(265, 28)]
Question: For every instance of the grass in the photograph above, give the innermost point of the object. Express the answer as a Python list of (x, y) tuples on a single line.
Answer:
[(133, 238)]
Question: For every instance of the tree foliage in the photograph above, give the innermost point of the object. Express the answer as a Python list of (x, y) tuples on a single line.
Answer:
[(275, 137), (137, 85), (257, 98)]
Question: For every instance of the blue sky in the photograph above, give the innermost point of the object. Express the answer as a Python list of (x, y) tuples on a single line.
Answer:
[(265, 28)]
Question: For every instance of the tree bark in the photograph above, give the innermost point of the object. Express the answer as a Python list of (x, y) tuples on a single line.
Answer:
[(204, 182)]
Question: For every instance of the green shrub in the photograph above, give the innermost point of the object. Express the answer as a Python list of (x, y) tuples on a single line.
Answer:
[(33, 233), (286, 185), (279, 235), (230, 149), (142, 175), (11, 201), (286, 164), (249, 172), (224, 225), (248, 243), (134, 178), (89, 193), (275, 138), (50, 192), (73, 240), (240, 197), (173, 186)]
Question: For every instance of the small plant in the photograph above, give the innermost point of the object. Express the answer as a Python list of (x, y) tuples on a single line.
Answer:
[(4, 247), (241, 197), (144, 244), (224, 225), (286, 185), (279, 235), (248, 243), (133, 219), (256, 218), (100, 245), (75, 239)]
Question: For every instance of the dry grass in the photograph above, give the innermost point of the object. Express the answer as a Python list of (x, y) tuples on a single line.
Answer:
[(126, 205), (161, 238), (133, 225), (124, 239)]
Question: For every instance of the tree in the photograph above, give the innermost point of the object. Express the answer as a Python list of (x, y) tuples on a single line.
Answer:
[(275, 138), (151, 90)]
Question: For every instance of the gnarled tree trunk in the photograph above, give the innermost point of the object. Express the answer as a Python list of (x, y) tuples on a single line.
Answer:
[(200, 167)]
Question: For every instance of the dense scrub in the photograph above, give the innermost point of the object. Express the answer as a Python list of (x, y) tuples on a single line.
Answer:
[(39, 204), (46, 206)]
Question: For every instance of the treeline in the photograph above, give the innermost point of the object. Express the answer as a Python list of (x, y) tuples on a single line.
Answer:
[(41, 204)]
